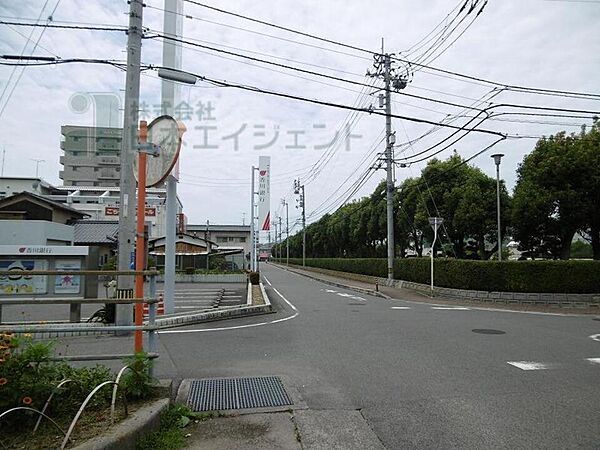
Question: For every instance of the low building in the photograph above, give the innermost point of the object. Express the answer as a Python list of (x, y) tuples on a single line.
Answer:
[(38, 234), (102, 204), (233, 240), (15, 185), (101, 238)]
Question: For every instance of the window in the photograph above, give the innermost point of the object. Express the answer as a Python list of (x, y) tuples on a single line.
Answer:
[(242, 239), (74, 168), (221, 239)]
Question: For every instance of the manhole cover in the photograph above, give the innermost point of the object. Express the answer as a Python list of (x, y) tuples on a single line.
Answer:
[(218, 394), (487, 331)]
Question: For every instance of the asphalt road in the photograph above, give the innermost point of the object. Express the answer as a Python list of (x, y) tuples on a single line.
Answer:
[(417, 372)]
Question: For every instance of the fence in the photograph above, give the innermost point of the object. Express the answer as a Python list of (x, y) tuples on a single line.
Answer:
[(75, 310)]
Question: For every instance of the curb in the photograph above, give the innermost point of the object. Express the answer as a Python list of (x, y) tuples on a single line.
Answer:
[(340, 285), (210, 316), (126, 434)]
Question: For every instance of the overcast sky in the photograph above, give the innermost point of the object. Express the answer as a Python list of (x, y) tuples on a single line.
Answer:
[(545, 44)]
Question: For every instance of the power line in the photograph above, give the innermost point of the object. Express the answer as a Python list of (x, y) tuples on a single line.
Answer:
[(64, 27), (539, 91)]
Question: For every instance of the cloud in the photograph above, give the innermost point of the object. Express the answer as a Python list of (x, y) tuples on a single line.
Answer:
[(544, 44)]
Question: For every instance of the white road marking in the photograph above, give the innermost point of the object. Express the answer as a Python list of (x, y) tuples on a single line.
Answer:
[(331, 291), (267, 280), (593, 360), (400, 307), (450, 308), (344, 294), (529, 365), (252, 325), (285, 300), (595, 337)]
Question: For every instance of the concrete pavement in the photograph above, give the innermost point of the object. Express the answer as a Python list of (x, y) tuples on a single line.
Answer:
[(420, 375)]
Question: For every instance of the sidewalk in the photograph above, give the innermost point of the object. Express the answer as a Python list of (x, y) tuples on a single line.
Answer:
[(367, 285)]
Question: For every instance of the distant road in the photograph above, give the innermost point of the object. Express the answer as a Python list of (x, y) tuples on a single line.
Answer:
[(419, 373)]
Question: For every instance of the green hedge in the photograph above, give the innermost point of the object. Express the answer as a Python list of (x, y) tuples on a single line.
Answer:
[(581, 277)]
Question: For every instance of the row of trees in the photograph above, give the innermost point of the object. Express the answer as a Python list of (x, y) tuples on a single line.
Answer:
[(557, 195)]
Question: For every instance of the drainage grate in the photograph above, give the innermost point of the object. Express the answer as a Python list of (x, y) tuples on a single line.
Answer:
[(487, 331), (219, 394)]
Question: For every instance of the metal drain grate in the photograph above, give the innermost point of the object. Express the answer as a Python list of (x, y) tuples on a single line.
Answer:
[(219, 394)]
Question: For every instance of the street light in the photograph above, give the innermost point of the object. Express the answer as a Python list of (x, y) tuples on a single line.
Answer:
[(497, 157), (435, 223)]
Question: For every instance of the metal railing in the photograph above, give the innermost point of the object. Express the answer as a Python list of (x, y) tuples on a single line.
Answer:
[(75, 314)]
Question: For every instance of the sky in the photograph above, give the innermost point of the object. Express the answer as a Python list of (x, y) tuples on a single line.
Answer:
[(533, 43)]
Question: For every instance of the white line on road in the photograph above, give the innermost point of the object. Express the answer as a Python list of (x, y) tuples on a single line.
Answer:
[(593, 360), (595, 337), (400, 307), (450, 308), (237, 327), (267, 280), (285, 300), (529, 365)]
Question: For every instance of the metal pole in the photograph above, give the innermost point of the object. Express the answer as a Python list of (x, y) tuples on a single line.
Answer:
[(127, 184), (152, 321), (389, 166), (303, 228), (140, 244), (170, 245), (432, 250), (498, 207), (172, 26), (252, 247), (287, 234)]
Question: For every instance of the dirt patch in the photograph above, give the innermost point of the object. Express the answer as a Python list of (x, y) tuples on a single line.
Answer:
[(257, 296), (91, 424)]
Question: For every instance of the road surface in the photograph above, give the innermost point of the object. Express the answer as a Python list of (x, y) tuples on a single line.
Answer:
[(418, 373)]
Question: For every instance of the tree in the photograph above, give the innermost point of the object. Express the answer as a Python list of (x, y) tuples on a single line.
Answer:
[(557, 193)]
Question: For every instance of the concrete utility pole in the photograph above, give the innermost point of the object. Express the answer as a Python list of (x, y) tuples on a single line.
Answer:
[(497, 157), (384, 69), (280, 233), (389, 168), (299, 190), (126, 231), (207, 245), (287, 231)]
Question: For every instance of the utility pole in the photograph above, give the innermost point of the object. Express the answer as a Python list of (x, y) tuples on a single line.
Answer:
[(3, 156), (299, 190), (287, 231), (280, 233), (389, 166), (126, 232), (207, 244), (383, 68)]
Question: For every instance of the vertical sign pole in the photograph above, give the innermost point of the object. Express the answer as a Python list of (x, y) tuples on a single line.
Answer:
[(252, 247), (140, 247)]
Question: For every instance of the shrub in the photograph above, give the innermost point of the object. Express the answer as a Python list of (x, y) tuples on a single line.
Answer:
[(254, 277), (582, 277)]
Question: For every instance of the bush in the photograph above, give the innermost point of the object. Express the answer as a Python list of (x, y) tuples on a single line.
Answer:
[(254, 277), (581, 277)]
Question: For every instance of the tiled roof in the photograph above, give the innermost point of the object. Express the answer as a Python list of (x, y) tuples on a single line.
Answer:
[(96, 231)]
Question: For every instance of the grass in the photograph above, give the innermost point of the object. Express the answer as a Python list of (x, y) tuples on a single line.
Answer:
[(92, 423), (171, 434)]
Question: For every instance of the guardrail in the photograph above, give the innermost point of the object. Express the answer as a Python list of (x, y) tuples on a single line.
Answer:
[(75, 310)]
